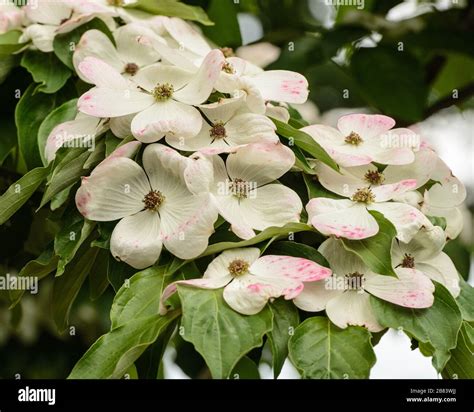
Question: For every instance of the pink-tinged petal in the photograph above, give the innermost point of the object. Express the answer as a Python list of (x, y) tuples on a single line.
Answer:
[(204, 283), (113, 191), (396, 156), (412, 289), (406, 219), (352, 309), (260, 163), (387, 192), (128, 150), (135, 240), (341, 218), (282, 86), (289, 267), (101, 74), (186, 35), (315, 296), (199, 173), (366, 125), (163, 118), (105, 102), (441, 269), (200, 87)]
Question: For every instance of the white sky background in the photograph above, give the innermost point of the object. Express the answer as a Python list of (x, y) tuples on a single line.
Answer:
[(452, 134)]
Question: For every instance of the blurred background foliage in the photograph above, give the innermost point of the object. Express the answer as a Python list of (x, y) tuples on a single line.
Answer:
[(406, 59)]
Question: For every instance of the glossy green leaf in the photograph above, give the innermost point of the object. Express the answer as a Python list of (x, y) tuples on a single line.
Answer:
[(285, 321), (9, 43), (221, 335), (437, 326), (295, 249), (465, 300), (245, 369), (226, 30), (305, 142), (46, 70), (113, 353), (375, 250), (98, 281), (321, 350), (461, 363), (20, 191)]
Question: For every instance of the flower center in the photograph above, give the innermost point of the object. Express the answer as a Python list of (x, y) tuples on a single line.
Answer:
[(363, 196), (408, 261), (218, 131), (116, 3), (163, 92), (353, 139), (227, 52), (354, 281), (374, 177), (131, 68), (240, 188), (153, 200), (228, 68), (238, 267)]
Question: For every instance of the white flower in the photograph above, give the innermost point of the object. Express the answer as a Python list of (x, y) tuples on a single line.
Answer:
[(346, 295), (249, 281), (424, 253), (50, 17), (162, 96), (227, 126), (11, 17), (362, 139), (128, 57), (242, 188), (155, 207)]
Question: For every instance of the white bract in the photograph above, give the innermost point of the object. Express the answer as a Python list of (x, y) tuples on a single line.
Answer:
[(153, 204), (11, 17), (346, 295), (250, 281)]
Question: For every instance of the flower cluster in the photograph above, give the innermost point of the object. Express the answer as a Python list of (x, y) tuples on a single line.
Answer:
[(200, 141)]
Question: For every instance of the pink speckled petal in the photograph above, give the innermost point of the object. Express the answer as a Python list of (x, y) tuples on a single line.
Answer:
[(200, 87), (352, 309), (282, 86), (135, 240), (101, 74), (412, 289), (387, 192), (366, 125), (341, 218)]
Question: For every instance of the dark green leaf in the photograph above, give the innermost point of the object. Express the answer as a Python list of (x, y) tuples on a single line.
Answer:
[(461, 363), (98, 281), (245, 369), (226, 29), (465, 300), (289, 248)]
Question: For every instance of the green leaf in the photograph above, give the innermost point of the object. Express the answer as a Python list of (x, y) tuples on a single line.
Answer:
[(461, 363), (305, 142), (20, 191), (384, 75), (221, 335), (301, 162), (465, 300), (437, 326), (285, 321), (67, 287), (140, 297), (113, 353), (8, 138), (9, 43), (245, 369), (375, 250), (75, 230), (321, 350), (46, 70), (98, 281), (30, 112), (172, 8), (61, 114), (271, 232), (290, 248), (64, 44), (118, 272), (226, 30), (69, 170)]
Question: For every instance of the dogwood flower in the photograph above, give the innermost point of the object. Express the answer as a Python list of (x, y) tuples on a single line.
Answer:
[(250, 281), (154, 206), (161, 96), (242, 190), (80, 131), (361, 139), (128, 57), (50, 17), (346, 295), (228, 125), (424, 253), (11, 17)]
